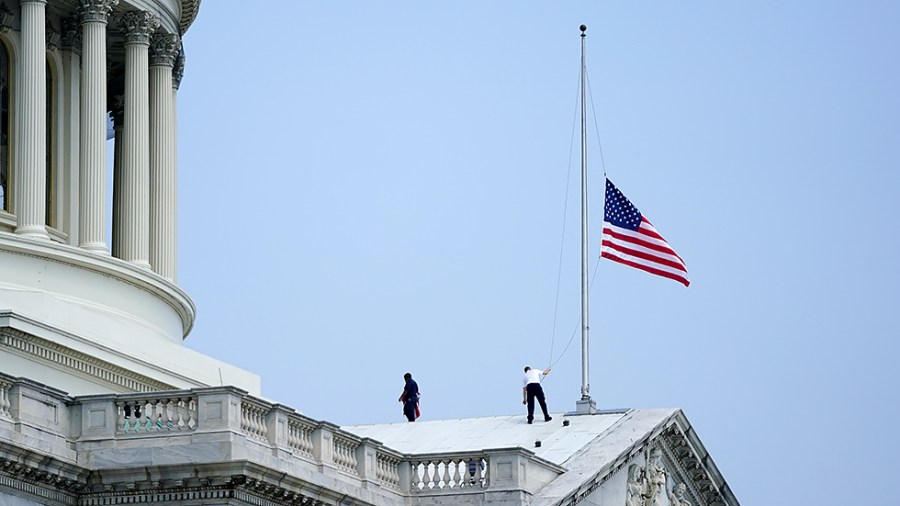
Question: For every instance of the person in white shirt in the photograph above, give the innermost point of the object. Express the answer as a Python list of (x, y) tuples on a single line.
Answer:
[(532, 388)]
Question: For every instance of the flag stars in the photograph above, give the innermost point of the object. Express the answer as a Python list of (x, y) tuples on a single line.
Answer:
[(620, 210)]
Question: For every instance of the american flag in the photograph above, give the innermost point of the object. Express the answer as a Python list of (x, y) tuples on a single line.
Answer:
[(628, 238)]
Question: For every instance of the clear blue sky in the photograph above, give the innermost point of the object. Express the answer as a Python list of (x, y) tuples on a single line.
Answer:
[(371, 188)]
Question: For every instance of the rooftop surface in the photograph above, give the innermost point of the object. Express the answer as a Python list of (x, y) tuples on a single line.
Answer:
[(558, 442)]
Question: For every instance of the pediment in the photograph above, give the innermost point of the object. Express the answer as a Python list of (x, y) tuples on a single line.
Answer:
[(667, 466)]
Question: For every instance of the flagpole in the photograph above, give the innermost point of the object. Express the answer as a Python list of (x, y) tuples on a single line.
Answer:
[(586, 404)]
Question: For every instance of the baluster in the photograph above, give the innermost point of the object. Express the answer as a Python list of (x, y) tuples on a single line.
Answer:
[(164, 411), (261, 427), (433, 473), (151, 415), (146, 419), (136, 416), (307, 439), (416, 484), (292, 435), (192, 413), (263, 430), (132, 415), (4, 399), (485, 466), (120, 423), (345, 453), (457, 480), (301, 438), (254, 424), (180, 409), (445, 479)]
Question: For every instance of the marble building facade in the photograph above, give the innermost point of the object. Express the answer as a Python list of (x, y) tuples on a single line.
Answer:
[(101, 404)]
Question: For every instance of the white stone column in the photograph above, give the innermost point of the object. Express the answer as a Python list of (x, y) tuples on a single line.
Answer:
[(68, 143), (30, 174), (164, 48), (118, 117), (134, 203), (92, 156)]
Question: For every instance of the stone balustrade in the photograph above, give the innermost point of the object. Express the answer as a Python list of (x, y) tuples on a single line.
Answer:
[(450, 472), (220, 424), (160, 413), (300, 436), (253, 418), (345, 447)]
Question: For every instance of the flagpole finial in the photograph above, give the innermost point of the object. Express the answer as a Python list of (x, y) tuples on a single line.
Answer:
[(583, 29)]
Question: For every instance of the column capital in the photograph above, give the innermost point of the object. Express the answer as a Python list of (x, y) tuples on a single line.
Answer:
[(164, 48), (138, 26), (96, 10)]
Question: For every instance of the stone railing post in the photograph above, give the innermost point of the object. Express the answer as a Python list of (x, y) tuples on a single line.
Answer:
[(516, 472), (366, 461), (404, 470), (323, 445), (99, 417), (277, 429), (508, 469), (219, 408), (38, 414)]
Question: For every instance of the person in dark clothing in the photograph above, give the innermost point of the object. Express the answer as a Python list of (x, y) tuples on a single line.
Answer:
[(410, 398), (531, 389)]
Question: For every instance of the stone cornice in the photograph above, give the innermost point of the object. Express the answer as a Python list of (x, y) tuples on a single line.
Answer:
[(75, 362), (189, 10), (50, 479), (692, 465), (108, 266), (39, 475)]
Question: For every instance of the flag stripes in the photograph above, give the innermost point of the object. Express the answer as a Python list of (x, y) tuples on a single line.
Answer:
[(630, 239)]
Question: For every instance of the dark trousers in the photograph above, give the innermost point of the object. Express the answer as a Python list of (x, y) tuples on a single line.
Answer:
[(533, 390), (409, 409)]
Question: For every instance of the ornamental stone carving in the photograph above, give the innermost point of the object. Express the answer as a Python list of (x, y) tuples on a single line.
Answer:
[(71, 35), (52, 36), (138, 26), (6, 18), (118, 110), (634, 487), (655, 479), (178, 70), (164, 48), (646, 485), (96, 10), (676, 495)]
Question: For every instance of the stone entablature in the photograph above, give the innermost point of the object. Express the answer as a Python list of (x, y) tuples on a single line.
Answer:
[(220, 440)]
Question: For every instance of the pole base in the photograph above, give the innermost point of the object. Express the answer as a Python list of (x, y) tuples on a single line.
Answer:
[(586, 406)]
